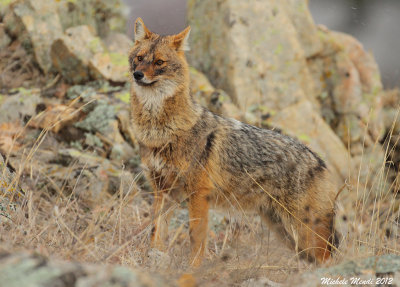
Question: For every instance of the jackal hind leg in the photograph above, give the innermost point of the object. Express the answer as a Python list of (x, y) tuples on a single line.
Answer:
[(315, 234), (309, 231)]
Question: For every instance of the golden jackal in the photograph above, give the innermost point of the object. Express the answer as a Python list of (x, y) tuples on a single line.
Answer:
[(214, 160)]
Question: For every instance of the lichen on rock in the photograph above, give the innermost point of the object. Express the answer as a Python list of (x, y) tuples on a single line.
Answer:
[(98, 120)]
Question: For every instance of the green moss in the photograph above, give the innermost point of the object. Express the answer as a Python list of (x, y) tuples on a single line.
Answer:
[(193, 71), (119, 59), (95, 45), (98, 120), (80, 91), (304, 138), (92, 140), (77, 145), (278, 50), (259, 41), (302, 7), (4, 3), (376, 90), (323, 95), (123, 96)]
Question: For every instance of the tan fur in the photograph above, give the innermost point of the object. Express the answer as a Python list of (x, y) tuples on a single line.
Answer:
[(188, 151)]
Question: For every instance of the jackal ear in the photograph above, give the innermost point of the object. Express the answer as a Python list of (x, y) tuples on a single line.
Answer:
[(141, 31), (181, 40)]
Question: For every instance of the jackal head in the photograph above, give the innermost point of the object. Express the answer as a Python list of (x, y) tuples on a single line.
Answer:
[(157, 63)]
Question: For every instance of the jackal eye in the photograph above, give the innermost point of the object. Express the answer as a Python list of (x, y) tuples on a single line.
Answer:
[(159, 62), (140, 58)]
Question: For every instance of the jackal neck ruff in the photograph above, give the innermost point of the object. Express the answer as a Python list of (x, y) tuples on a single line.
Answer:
[(161, 105)]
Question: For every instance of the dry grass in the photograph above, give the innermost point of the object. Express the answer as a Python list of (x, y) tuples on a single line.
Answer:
[(18, 68), (115, 228)]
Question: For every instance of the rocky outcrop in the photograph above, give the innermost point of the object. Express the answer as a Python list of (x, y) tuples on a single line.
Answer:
[(80, 56), (104, 17), (35, 23), (349, 90), (72, 52), (215, 100), (252, 50)]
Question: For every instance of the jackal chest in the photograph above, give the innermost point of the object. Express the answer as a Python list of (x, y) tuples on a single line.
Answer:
[(157, 163)]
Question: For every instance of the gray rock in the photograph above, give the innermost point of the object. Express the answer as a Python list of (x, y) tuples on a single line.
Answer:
[(98, 120), (252, 50), (85, 92), (35, 21), (16, 107), (215, 100), (111, 66), (118, 43), (92, 175), (103, 16), (72, 52), (39, 270), (350, 90), (4, 4), (371, 268), (5, 40), (79, 56)]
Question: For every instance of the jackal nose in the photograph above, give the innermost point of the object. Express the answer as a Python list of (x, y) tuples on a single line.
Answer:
[(138, 75)]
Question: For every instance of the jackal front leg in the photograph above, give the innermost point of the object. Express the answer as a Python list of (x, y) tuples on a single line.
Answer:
[(162, 212), (198, 224)]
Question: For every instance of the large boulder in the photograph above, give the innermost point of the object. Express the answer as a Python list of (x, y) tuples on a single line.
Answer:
[(105, 17), (72, 52), (215, 100), (37, 23), (303, 122), (79, 56), (254, 49), (349, 89)]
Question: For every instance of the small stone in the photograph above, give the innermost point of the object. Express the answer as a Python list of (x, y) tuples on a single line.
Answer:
[(16, 107)]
